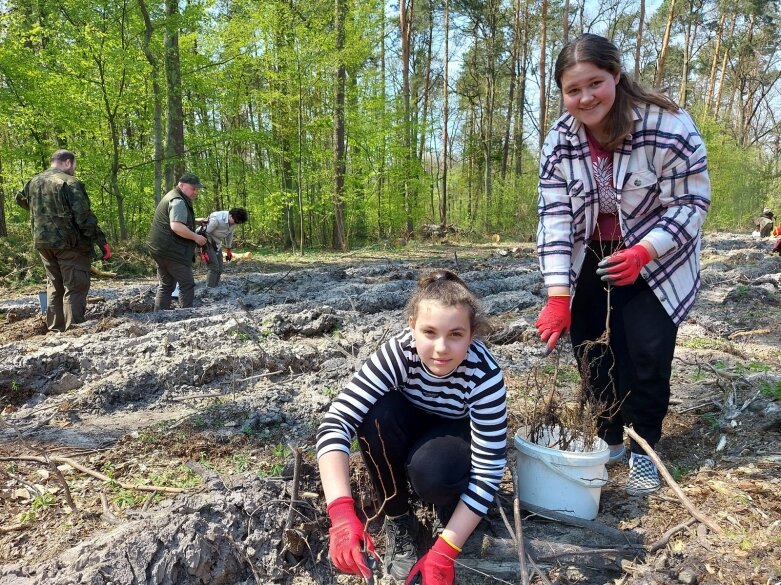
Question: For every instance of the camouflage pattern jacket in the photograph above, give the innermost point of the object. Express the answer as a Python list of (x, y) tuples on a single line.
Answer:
[(60, 212)]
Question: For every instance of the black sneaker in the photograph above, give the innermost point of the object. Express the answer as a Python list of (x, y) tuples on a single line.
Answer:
[(401, 553)]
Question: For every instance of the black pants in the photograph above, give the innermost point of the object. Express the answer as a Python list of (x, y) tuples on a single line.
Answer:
[(170, 272), (402, 443), (632, 374)]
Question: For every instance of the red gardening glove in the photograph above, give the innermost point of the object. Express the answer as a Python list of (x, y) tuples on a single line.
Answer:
[(555, 318), (777, 246), (228, 254), (623, 267), (204, 256), (351, 545), (437, 566), (106, 249)]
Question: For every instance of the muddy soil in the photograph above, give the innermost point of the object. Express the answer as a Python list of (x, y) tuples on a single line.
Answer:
[(186, 438)]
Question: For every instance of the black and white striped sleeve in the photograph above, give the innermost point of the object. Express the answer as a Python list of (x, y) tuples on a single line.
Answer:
[(384, 370), (488, 421)]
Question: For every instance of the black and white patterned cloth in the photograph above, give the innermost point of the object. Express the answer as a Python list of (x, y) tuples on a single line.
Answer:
[(643, 476)]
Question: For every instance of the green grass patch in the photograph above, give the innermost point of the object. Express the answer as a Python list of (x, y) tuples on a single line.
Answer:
[(703, 343), (770, 390)]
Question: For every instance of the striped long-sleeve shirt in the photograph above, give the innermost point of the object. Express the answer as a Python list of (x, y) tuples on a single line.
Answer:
[(475, 389), (661, 178)]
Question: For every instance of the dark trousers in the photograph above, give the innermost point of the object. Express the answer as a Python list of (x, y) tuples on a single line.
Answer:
[(169, 272), (401, 443), (632, 374), (214, 266), (67, 274)]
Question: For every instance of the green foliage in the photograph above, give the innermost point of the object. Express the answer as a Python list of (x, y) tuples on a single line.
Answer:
[(739, 183), (39, 504), (181, 477), (258, 97), (679, 472), (770, 390), (128, 498), (241, 462), (712, 420)]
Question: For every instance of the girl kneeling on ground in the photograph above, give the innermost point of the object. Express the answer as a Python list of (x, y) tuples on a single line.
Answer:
[(428, 408)]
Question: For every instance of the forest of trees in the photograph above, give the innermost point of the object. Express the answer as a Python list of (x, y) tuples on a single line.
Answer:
[(342, 122)]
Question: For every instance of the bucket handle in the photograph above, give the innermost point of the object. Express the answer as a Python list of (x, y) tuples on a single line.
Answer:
[(589, 483)]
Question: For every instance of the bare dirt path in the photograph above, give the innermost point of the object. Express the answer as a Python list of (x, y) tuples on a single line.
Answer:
[(211, 400)]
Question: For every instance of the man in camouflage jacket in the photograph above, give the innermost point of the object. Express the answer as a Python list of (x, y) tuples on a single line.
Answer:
[(65, 232)]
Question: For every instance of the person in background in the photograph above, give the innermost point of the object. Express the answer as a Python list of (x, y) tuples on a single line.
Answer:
[(219, 233), (623, 194), (172, 241), (764, 223), (428, 407), (65, 233)]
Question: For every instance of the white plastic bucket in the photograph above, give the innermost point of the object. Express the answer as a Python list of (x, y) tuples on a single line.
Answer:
[(569, 482)]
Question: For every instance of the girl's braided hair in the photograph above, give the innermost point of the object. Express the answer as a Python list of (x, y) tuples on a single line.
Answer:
[(446, 288)]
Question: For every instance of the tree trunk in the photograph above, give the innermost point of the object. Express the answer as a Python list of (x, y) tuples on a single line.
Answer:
[(158, 101), (714, 62), (687, 44), (174, 139), (445, 118), (639, 40), (520, 110), (3, 226), (339, 242), (565, 40), (665, 45), (727, 45), (543, 67), (406, 12), (426, 89), (511, 89), (299, 158), (384, 141)]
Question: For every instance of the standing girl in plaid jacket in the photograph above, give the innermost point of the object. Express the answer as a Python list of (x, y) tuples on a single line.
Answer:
[(623, 194)]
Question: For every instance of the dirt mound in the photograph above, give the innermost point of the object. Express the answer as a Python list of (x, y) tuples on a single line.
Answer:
[(215, 401)]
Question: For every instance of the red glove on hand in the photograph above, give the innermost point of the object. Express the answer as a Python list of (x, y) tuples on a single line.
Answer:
[(436, 567), (348, 539), (106, 249), (555, 318), (624, 266), (204, 256), (777, 246), (228, 254)]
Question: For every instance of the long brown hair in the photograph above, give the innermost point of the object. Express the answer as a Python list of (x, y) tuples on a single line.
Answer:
[(601, 53), (447, 289)]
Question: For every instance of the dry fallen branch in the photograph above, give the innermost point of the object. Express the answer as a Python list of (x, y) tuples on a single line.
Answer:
[(13, 527), (108, 515), (671, 482), (96, 474), (592, 525), (665, 538), (529, 557), (519, 530), (294, 490)]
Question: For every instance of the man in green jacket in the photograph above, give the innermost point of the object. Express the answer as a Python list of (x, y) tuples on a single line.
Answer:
[(172, 241), (65, 232)]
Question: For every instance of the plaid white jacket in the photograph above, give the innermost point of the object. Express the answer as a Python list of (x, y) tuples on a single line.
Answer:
[(661, 178)]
